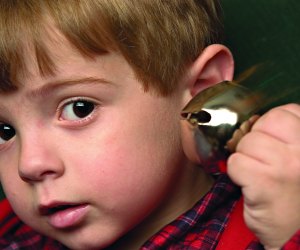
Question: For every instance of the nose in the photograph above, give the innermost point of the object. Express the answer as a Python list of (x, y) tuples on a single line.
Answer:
[(39, 159)]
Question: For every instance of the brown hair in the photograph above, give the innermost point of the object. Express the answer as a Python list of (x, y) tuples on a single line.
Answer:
[(158, 38)]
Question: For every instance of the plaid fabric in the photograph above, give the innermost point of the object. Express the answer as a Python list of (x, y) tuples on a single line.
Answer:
[(293, 243), (198, 228), (16, 235), (202, 226)]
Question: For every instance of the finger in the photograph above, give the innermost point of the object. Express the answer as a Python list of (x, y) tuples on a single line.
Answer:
[(240, 132), (233, 142), (291, 107), (282, 123), (247, 125), (252, 176), (244, 170), (263, 148)]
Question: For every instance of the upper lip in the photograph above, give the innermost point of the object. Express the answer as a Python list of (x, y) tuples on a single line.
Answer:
[(54, 207)]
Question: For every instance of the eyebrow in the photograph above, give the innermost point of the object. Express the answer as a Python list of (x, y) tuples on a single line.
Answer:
[(49, 87)]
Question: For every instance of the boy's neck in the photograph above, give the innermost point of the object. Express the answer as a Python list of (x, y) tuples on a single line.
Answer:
[(193, 185)]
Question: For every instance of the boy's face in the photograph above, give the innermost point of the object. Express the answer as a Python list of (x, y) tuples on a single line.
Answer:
[(93, 154)]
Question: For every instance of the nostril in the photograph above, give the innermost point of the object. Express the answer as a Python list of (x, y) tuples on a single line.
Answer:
[(36, 176), (26, 178)]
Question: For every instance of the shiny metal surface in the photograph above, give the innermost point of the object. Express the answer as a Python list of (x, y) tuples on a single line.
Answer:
[(215, 119)]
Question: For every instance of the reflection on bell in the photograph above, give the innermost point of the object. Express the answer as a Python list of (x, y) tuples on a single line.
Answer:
[(211, 118)]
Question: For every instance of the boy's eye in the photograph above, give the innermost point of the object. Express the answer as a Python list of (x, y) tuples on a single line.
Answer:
[(6, 132), (77, 110)]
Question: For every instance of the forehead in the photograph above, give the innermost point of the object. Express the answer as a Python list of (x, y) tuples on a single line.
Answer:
[(71, 66), (40, 54), (58, 48)]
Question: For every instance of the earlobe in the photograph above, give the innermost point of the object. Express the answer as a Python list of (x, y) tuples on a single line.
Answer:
[(215, 64)]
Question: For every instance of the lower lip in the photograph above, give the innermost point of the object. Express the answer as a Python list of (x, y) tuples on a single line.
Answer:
[(69, 217)]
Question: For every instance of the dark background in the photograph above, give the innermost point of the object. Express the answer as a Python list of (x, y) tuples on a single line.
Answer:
[(266, 32)]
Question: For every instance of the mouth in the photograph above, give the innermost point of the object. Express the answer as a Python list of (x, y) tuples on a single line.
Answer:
[(54, 208), (64, 215)]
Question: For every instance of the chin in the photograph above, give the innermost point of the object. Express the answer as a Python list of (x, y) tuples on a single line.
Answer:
[(90, 245), (82, 241)]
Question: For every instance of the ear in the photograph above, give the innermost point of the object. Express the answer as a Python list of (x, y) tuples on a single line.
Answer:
[(214, 65)]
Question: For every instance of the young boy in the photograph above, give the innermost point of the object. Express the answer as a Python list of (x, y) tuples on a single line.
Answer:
[(90, 137)]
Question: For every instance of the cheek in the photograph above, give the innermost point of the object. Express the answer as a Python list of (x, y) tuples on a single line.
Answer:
[(12, 185), (131, 164), (16, 191), (20, 198), (122, 166)]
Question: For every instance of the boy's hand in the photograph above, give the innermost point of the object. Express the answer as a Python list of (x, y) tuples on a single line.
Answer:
[(267, 167)]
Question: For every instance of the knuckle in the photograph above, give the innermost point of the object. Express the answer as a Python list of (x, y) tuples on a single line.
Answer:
[(231, 159), (232, 162), (276, 119), (246, 141), (271, 117), (292, 107)]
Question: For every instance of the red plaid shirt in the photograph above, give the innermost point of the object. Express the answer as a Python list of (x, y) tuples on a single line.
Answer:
[(199, 228), (202, 226)]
